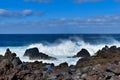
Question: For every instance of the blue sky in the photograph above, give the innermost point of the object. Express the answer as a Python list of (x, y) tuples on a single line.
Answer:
[(59, 16)]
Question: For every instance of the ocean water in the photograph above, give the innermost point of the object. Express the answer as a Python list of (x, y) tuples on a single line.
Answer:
[(57, 45)]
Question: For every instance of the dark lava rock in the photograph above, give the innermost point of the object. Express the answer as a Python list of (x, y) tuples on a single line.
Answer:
[(33, 53), (14, 54), (105, 48), (8, 54), (4, 62), (107, 52), (102, 56), (82, 61), (64, 65), (113, 49), (16, 61), (83, 53)]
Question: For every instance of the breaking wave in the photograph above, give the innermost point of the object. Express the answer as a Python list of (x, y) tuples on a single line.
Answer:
[(61, 49)]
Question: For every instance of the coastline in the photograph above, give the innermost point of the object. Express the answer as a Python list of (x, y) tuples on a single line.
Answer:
[(105, 65)]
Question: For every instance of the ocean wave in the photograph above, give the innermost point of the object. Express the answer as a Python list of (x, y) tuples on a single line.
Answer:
[(61, 50)]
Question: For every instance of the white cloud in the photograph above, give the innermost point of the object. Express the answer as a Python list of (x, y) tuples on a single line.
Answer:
[(65, 25), (27, 12), (70, 22)]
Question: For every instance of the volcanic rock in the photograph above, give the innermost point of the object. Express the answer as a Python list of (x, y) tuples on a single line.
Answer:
[(33, 54), (8, 54), (83, 53), (88, 68), (64, 65), (16, 61)]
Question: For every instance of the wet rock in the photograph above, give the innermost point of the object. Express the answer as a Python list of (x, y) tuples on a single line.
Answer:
[(33, 54), (31, 51), (83, 53), (88, 68)]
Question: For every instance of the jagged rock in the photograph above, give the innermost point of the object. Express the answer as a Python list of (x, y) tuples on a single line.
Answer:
[(8, 54), (104, 55), (113, 49), (16, 61), (83, 53), (33, 54), (105, 48), (14, 54), (94, 68), (107, 52)]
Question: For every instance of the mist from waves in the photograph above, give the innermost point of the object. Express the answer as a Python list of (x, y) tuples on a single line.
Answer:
[(60, 50)]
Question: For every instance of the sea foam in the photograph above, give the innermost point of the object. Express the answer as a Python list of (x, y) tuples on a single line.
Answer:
[(60, 50)]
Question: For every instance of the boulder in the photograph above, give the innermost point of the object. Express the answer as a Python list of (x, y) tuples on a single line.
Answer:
[(64, 65), (83, 53), (33, 54)]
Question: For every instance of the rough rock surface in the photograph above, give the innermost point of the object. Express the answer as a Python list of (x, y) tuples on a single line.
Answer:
[(82, 53), (33, 54), (98, 67)]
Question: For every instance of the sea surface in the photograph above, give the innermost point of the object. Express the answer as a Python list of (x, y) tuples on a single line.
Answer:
[(57, 45)]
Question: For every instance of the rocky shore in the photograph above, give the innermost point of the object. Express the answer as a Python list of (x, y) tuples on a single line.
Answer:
[(34, 54), (104, 65)]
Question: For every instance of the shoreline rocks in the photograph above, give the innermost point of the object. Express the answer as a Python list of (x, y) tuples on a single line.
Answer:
[(34, 54), (82, 53), (105, 65)]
